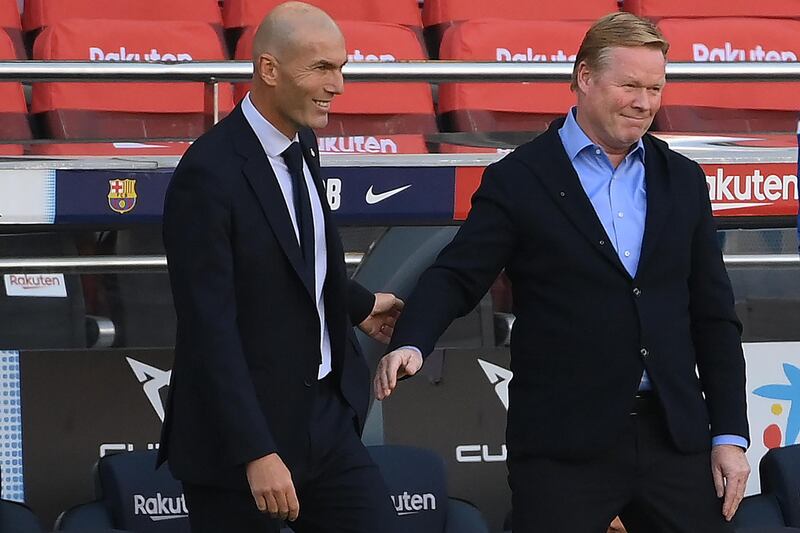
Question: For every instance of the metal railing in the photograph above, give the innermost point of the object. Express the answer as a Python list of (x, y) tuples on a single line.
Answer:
[(212, 73), (127, 264), (407, 71)]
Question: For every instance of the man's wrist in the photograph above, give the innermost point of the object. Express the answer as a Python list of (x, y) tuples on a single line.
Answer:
[(731, 440)]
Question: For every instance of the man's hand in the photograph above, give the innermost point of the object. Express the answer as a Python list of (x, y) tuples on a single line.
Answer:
[(730, 470), (380, 323), (392, 366), (272, 488)]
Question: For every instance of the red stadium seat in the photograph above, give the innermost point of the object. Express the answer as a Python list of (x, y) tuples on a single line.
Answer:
[(373, 108), (13, 110), (658, 9), (125, 110), (244, 13), (437, 12), (439, 15), (508, 106), (731, 107), (10, 22), (43, 13)]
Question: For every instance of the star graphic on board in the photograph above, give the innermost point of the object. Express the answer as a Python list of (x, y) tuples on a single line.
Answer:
[(789, 392)]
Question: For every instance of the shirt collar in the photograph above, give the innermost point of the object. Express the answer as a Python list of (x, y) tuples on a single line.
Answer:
[(272, 140), (575, 140)]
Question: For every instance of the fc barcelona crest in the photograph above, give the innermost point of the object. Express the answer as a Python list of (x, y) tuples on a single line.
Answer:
[(122, 195)]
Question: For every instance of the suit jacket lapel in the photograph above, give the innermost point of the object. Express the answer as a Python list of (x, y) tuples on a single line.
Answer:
[(261, 177), (659, 199), (556, 172)]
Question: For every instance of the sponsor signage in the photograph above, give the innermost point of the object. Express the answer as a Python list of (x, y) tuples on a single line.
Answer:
[(27, 196), (365, 144), (390, 195), (159, 508), (735, 190), (371, 195), (78, 405), (773, 400), (768, 189), (408, 504), (35, 285)]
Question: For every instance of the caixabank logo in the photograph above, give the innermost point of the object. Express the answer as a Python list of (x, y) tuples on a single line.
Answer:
[(786, 396)]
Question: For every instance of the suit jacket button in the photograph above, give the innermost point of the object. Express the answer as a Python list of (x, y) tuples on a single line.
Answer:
[(644, 352), (602, 243), (308, 382), (637, 292)]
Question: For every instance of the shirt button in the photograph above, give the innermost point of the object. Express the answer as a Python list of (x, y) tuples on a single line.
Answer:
[(627, 253), (637, 292), (644, 352), (620, 214), (597, 151)]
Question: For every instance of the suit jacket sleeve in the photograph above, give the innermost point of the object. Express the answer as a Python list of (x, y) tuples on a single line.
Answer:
[(360, 302), (716, 331), (466, 268), (197, 230)]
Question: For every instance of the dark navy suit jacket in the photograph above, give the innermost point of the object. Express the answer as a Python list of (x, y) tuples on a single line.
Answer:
[(248, 348), (585, 329)]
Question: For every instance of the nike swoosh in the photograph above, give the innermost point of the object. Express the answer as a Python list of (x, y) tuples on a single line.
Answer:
[(373, 198)]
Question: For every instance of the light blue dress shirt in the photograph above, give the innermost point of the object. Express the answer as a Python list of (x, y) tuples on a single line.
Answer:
[(619, 198)]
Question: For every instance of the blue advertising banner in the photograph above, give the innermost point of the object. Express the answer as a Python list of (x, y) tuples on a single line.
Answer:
[(373, 195), (111, 197), (391, 195)]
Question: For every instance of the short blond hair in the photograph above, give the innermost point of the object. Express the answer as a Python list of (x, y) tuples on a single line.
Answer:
[(616, 30)]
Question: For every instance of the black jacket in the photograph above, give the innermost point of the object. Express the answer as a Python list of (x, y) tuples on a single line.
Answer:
[(585, 330), (247, 347)]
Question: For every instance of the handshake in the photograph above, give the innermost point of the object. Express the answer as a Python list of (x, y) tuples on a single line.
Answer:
[(399, 363)]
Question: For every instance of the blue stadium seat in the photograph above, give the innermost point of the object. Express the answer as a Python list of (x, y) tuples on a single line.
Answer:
[(132, 495), (778, 505), (418, 485), (18, 517)]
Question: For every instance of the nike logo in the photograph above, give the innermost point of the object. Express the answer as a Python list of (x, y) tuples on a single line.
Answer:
[(373, 198)]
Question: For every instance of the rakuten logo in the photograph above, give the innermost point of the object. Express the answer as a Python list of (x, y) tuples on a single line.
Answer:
[(98, 54), (358, 55), (737, 191), (159, 508), (728, 53), (35, 285), (35, 281), (356, 145), (406, 503), (504, 54)]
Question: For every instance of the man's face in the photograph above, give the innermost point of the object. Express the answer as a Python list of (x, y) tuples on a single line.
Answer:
[(307, 80), (617, 103)]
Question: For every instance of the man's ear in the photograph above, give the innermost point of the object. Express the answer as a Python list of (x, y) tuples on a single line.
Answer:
[(268, 69), (584, 76)]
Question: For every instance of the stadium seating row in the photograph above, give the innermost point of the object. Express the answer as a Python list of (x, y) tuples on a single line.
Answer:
[(243, 13), (79, 111)]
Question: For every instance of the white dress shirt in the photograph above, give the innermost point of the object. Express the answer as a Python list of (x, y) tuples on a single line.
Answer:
[(275, 143)]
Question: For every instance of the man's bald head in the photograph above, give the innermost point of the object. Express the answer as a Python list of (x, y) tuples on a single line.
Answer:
[(284, 30)]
